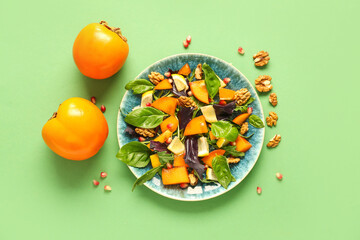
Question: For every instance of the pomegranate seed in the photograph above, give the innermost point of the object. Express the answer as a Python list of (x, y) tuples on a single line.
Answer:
[(103, 108), (184, 185), (250, 110), (186, 44), (103, 174), (107, 188), (167, 74), (170, 81), (241, 50), (222, 102), (96, 183), (93, 100), (170, 125), (169, 140), (188, 39), (258, 190), (226, 80), (169, 166), (233, 143), (279, 176), (189, 93), (148, 104), (141, 139)]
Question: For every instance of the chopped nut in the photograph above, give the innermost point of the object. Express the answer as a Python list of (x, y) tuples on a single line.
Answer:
[(198, 72), (273, 99), (146, 132), (242, 96), (274, 141), (187, 102), (263, 83), (233, 160), (155, 77), (193, 179), (244, 128), (261, 58), (271, 120)]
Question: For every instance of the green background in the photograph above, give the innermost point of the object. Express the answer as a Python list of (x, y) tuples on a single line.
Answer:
[(314, 64)]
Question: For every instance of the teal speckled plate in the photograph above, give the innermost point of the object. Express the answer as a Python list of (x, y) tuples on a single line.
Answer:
[(239, 171)]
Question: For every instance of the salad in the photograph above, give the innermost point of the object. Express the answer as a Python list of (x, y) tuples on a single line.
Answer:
[(190, 127)]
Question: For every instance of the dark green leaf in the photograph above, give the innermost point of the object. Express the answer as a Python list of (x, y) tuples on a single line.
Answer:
[(134, 154), (231, 150), (203, 180), (165, 157), (224, 129), (247, 137), (222, 171), (211, 81), (256, 121), (145, 117), (147, 176), (251, 99), (244, 107), (139, 86), (212, 142), (192, 75)]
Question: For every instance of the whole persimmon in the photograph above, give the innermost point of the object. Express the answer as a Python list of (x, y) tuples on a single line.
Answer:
[(100, 51), (77, 130)]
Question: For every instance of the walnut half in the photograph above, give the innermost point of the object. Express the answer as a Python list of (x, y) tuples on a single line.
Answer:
[(155, 77), (244, 128), (273, 99), (271, 120), (193, 179), (261, 58), (198, 72), (242, 96), (231, 160), (187, 102), (145, 132), (274, 141), (263, 83)]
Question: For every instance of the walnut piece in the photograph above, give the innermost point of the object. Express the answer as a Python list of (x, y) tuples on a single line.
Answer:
[(263, 83), (244, 128), (233, 160), (198, 72), (271, 120), (187, 102), (155, 77), (193, 179), (273, 99), (242, 96), (145, 132), (274, 141), (261, 58)]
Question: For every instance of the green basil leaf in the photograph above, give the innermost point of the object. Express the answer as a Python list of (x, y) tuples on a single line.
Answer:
[(231, 150), (147, 176), (145, 117), (224, 129), (256, 121), (134, 154), (251, 99), (165, 157), (211, 81), (222, 171), (139, 86)]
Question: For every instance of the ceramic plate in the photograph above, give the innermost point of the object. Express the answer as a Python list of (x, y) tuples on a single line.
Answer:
[(239, 171)]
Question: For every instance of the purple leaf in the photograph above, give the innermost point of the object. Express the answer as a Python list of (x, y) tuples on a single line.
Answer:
[(191, 155), (224, 112), (131, 131), (158, 146), (185, 116), (176, 92)]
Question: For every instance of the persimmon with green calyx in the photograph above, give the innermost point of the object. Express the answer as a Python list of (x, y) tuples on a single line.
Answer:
[(175, 175), (226, 94), (100, 51), (171, 123), (163, 85), (77, 130), (198, 89), (242, 145), (208, 159), (185, 70), (196, 126), (166, 104), (241, 118)]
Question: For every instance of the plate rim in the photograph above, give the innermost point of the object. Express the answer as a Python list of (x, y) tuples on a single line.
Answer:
[(262, 140)]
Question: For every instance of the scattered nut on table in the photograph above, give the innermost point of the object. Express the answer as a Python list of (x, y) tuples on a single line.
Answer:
[(263, 83), (274, 141), (273, 99), (261, 58), (271, 120)]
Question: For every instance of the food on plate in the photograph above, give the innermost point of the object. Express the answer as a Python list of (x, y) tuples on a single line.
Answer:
[(200, 126), (100, 51), (77, 130)]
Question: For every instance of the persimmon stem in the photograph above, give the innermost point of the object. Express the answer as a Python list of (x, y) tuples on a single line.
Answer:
[(53, 116), (115, 30)]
